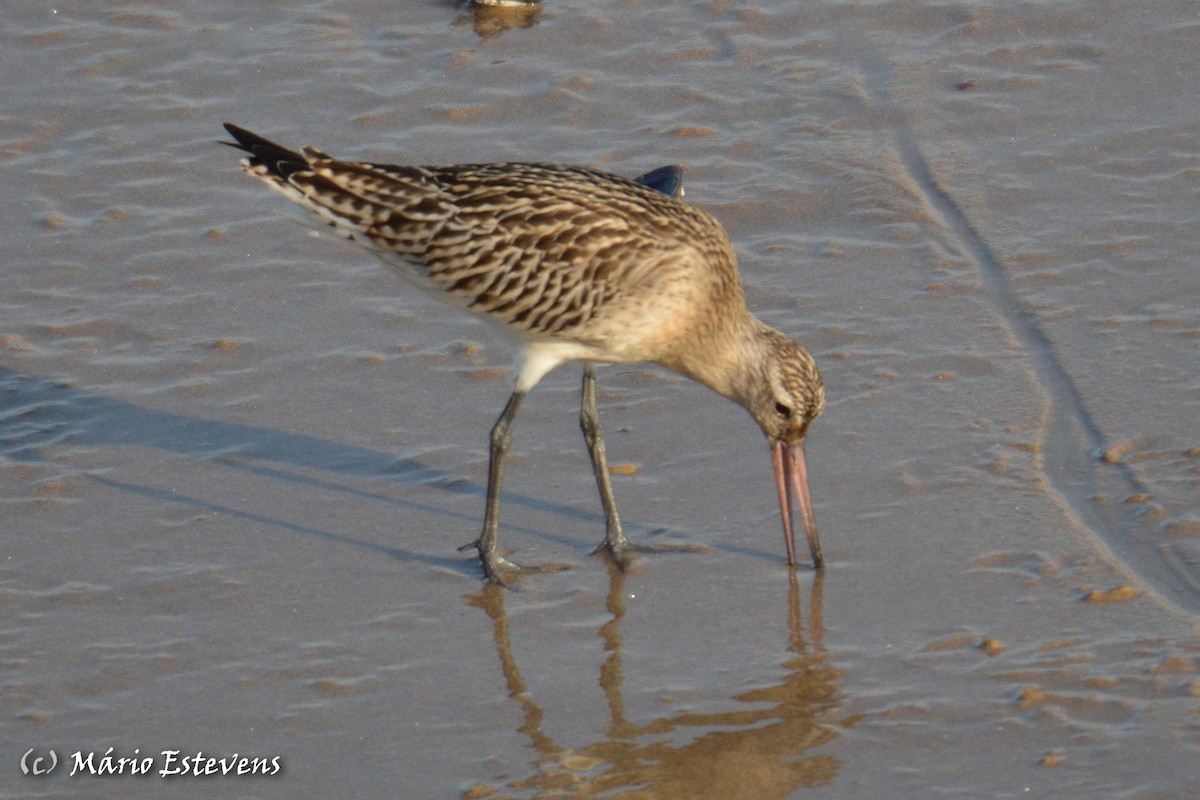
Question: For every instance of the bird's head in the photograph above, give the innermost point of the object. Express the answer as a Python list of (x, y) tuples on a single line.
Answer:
[(790, 396), (792, 392)]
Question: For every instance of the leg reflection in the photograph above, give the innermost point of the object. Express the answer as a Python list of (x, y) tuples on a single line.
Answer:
[(762, 746)]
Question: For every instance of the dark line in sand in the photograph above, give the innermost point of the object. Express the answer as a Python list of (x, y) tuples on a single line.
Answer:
[(1090, 491), (1021, 319)]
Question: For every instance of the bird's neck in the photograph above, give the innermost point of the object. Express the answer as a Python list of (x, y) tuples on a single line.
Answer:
[(732, 362)]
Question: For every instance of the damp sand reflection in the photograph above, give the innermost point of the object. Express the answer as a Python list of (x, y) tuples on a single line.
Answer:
[(767, 746)]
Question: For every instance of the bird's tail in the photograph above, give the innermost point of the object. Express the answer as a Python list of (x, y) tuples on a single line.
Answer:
[(279, 161)]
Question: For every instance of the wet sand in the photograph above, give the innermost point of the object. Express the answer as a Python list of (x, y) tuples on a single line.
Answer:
[(235, 461)]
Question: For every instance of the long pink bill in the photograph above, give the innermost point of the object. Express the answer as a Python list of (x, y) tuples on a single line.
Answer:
[(791, 475)]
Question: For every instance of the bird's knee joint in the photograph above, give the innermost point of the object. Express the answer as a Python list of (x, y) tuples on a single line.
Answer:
[(591, 429), (501, 438)]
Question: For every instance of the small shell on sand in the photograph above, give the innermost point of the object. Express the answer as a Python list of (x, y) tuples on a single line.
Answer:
[(1117, 594)]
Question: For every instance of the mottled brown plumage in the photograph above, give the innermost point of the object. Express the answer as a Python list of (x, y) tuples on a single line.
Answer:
[(577, 264)]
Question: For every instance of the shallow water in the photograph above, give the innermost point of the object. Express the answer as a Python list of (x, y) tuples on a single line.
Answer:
[(237, 461)]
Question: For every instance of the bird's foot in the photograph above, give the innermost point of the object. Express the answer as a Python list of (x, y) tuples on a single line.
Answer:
[(622, 551), (497, 568)]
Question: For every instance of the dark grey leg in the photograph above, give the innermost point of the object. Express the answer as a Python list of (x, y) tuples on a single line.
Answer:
[(488, 543), (618, 547), (589, 422)]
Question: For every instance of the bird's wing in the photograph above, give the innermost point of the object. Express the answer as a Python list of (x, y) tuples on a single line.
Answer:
[(543, 248)]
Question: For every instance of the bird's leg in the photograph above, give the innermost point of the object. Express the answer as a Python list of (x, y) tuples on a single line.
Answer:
[(589, 422), (615, 543), (494, 564)]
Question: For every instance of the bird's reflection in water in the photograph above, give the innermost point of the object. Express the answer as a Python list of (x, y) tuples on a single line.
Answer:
[(761, 751)]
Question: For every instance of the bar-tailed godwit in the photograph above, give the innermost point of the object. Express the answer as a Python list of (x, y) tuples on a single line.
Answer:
[(574, 264)]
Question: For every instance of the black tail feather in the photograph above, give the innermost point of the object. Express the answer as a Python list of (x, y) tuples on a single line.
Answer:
[(279, 160)]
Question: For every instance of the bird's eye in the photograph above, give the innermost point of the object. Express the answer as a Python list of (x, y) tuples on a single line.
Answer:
[(783, 411)]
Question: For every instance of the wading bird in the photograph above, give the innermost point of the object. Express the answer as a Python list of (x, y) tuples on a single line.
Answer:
[(573, 263)]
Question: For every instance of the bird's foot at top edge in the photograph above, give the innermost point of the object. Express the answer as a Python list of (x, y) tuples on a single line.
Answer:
[(497, 569), (621, 551)]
